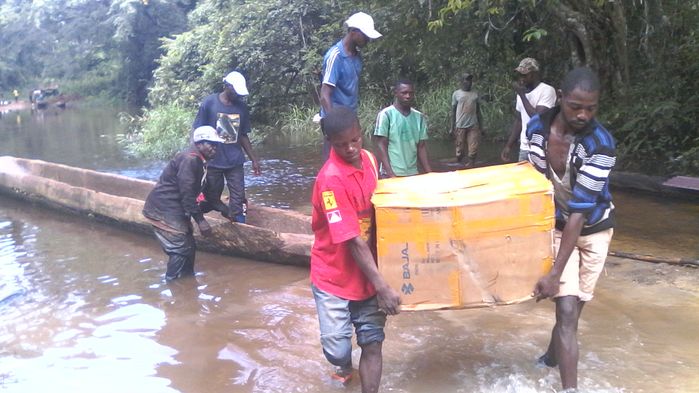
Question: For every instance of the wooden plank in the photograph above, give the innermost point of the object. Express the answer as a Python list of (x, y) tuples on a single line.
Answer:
[(655, 259), (683, 182)]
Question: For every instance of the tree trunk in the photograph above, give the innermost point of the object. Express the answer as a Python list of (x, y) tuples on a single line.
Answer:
[(620, 36), (580, 42)]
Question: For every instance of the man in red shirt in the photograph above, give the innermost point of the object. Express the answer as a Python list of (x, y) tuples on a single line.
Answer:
[(347, 286)]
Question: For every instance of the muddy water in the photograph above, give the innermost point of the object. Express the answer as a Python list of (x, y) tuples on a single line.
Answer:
[(100, 318), (84, 308)]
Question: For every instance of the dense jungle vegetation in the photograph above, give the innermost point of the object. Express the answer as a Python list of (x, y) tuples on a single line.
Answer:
[(165, 55)]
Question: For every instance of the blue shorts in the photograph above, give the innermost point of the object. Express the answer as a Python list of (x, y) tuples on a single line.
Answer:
[(336, 317)]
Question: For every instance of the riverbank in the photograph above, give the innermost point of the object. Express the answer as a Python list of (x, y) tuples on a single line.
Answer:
[(16, 106), (59, 101)]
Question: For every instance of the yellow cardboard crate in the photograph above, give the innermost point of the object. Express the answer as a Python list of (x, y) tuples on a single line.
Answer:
[(472, 238)]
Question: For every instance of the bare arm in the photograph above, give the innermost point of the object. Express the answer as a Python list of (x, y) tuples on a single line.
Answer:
[(531, 111), (388, 298), (513, 137), (528, 107), (325, 97), (245, 143), (422, 157), (547, 285), (381, 143), (453, 119)]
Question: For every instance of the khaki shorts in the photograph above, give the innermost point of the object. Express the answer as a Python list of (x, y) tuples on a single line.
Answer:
[(584, 265)]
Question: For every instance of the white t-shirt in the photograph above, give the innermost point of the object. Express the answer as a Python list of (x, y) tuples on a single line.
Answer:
[(542, 95)]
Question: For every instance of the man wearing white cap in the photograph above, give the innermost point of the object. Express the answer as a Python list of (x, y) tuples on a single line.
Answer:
[(342, 66), (228, 114), (172, 203)]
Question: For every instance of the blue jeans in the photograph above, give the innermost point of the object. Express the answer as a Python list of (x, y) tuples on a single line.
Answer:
[(336, 317)]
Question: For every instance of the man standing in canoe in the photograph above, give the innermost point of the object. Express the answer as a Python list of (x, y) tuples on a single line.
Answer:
[(342, 65), (172, 203), (570, 147), (228, 114), (346, 283)]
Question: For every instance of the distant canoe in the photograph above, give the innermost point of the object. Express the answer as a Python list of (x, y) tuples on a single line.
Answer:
[(274, 235)]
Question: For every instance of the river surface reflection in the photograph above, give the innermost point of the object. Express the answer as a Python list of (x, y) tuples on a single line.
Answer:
[(84, 308)]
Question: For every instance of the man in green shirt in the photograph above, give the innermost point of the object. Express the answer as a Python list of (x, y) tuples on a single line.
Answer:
[(401, 134), (466, 124)]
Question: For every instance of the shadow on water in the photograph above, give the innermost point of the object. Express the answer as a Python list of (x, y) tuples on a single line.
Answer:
[(84, 308)]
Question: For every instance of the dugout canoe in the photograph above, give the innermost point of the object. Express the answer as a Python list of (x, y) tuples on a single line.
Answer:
[(270, 234)]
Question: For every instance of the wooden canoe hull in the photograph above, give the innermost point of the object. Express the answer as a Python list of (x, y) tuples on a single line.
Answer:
[(273, 235)]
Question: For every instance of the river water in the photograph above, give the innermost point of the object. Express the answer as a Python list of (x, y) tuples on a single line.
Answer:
[(84, 308)]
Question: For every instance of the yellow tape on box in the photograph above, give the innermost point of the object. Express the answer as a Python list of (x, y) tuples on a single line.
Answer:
[(464, 239)]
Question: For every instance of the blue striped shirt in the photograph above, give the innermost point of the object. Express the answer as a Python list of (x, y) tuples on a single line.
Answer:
[(591, 160), (341, 71)]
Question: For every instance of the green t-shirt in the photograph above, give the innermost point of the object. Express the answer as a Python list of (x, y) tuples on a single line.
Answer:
[(403, 133), (466, 103)]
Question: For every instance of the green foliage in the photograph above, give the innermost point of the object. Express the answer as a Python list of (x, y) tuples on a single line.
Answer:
[(657, 129), (646, 54), (452, 8), (435, 104), (295, 125), (687, 162), (177, 52), (138, 28), (272, 42), (534, 34), (279, 46), (86, 47), (159, 132)]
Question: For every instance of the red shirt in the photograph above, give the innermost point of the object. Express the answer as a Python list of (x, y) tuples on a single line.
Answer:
[(342, 210)]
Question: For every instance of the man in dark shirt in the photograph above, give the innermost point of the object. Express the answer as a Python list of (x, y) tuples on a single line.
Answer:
[(172, 203), (228, 114)]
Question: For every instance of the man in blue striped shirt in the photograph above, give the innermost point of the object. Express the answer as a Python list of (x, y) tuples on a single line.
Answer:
[(342, 65), (576, 153)]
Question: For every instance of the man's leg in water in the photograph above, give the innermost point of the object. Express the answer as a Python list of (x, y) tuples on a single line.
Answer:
[(563, 348), (371, 367), (369, 323), (578, 282), (335, 331)]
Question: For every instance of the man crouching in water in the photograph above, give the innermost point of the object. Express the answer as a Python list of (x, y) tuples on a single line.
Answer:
[(172, 203), (576, 153), (346, 283)]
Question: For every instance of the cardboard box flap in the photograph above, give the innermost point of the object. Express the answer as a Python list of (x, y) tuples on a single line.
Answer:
[(461, 188)]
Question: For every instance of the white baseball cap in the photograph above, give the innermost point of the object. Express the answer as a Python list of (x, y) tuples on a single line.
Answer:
[(206, 133), (364, 23), (237, 80)]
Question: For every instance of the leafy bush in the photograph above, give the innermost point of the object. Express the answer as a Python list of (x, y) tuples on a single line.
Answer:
[(295, 125), (159, 132), (656, 127)]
